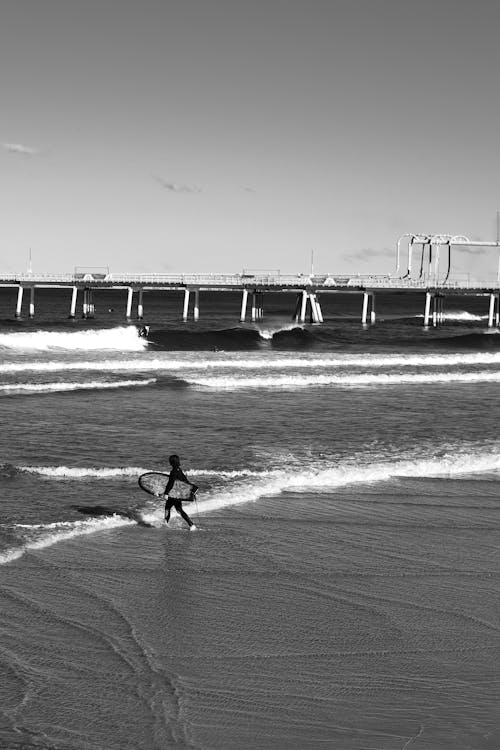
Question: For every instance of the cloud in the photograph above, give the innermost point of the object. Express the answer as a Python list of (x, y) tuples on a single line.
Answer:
[(367, 253), (18, 148), (176, 187)]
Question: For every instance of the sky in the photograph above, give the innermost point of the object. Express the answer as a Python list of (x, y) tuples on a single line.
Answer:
[(220, 135)]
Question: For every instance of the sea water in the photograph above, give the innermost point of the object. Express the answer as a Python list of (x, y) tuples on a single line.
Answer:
[(342, 589)]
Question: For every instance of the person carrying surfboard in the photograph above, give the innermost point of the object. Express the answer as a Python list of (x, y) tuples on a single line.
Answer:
[(174, 494)]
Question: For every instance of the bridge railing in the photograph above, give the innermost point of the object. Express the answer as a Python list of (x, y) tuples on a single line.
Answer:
[(238, 281)]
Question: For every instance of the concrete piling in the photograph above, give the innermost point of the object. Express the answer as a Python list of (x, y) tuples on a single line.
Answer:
[(19, 304)]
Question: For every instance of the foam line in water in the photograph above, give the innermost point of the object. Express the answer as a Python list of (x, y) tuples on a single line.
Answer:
[(124, 338), (40, 536), (329, 479), (257, 363), (343, 381), (78, 472), (34, 388)]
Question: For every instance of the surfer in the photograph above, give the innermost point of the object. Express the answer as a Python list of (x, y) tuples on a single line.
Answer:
[(176, 475)]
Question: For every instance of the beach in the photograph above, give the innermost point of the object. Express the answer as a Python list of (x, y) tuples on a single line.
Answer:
[(342, 587)]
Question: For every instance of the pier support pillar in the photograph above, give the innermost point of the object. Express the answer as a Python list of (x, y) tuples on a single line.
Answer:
[(427, 312), (244, 301), (88, 308), (254, 307), (185, 309), (303, 307), (140, 306), (32, 302), (19, 305), (314, 317), (196, 310), (307, 302), (438, 310), (74, 294), (434, 309), (130, 295), (494, 312), (319, 312), (259, 305), (368, 308)]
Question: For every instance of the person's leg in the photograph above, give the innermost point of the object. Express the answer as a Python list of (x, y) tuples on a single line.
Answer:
[(180, 510), (168, 506)]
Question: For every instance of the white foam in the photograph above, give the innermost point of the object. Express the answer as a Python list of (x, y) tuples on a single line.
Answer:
[(463, 315), (67, 472), (33, 388), (46, 535), (331, 478), (344, 381), (79, 472), (268, 333), (123, 338), (258, 363)]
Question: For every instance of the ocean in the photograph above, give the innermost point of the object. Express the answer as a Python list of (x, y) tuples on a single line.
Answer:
[(342, 587)]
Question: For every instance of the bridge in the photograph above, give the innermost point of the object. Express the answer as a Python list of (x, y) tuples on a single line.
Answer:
[(430, 274)]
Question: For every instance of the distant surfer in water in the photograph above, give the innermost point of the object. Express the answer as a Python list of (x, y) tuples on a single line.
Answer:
[(176, 475)]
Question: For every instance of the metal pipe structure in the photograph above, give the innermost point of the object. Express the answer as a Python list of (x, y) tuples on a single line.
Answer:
[(398, 253)]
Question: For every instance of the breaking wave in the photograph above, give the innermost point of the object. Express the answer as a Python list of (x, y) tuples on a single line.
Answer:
[(39, 536), (344, 381), (78, 472), (324, 479), (330, 478), (124, 338), (284, 362), (37, 388)]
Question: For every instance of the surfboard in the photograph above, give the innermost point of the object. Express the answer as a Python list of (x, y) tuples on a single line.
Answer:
[(154, 482)]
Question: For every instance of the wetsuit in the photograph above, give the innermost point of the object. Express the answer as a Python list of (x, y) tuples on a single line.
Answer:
[(175, 475)]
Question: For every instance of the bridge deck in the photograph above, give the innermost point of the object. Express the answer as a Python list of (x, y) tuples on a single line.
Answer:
[(225, 282)]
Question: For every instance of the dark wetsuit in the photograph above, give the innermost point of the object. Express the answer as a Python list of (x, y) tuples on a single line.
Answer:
[(173, 502)]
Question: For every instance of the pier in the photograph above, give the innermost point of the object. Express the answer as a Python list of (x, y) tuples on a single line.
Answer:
[(423, 264)]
